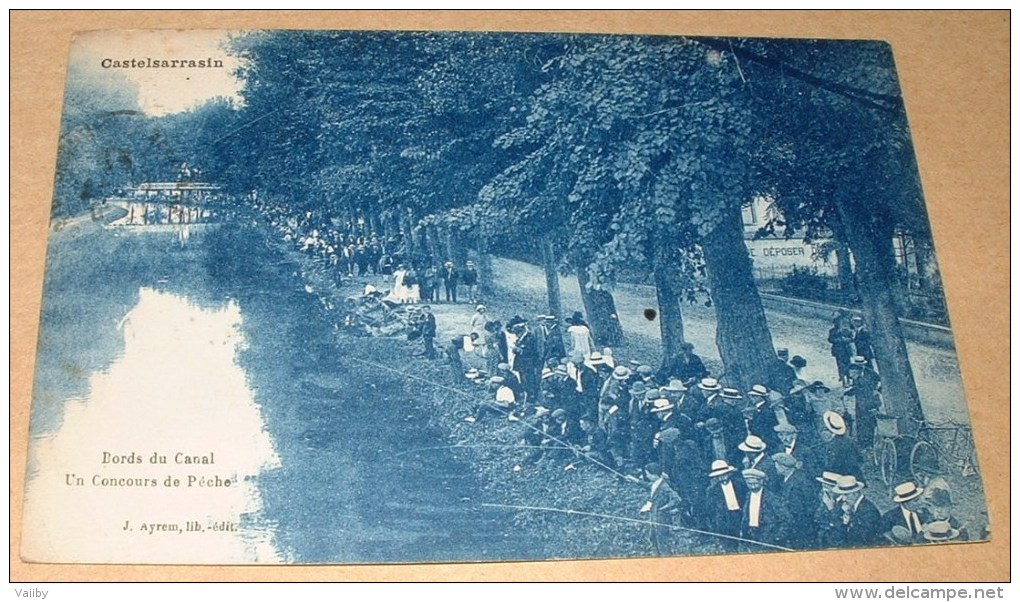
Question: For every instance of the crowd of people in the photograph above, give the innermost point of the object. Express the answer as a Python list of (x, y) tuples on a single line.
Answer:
[(778, 464), (781, 468)]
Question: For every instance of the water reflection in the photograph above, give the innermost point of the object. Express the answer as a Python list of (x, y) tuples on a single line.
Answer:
[(182, 439)]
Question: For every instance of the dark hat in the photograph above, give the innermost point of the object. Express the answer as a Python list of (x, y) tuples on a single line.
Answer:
[(785, 459), (941, 498), (668, 435), (514, 321), (638, 388), (714, 425)]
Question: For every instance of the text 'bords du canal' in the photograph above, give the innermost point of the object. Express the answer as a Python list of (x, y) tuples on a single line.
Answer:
[(158, 458)]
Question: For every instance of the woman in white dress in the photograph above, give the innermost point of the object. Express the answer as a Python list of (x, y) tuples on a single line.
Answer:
[(411, 286), (399, 294), (581, 342)]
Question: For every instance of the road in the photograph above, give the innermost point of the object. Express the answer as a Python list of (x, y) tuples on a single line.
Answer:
[(936, 370)]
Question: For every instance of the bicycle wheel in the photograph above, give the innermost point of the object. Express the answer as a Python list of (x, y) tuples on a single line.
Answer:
[(886, 451), (924, 461)]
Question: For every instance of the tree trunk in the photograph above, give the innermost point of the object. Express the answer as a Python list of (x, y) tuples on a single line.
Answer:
[(486, 279), (877, 280), (742, 334), (671, 325), (552, 278), (600, 310), (882, 234), (435, 244), (845, 272), (456, 249), (411, 242)]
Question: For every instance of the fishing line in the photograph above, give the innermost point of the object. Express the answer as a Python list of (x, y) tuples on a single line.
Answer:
[(639, 521)]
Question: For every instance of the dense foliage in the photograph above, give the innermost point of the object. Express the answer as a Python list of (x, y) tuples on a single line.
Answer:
[(587, 154)]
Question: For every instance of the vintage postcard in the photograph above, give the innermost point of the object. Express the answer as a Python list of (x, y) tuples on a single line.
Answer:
[(322, 297)]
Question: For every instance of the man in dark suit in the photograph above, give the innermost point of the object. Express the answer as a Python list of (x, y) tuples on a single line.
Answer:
[(685, 366), (799, 495), (904, 523), (862, 522), (527, 362), (450, 277), (722, 509), (551, 338), (764, 516), (862, 341), (428, 331), (790, 443), (867, 401)]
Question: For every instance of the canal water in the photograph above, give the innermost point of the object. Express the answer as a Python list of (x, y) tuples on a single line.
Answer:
[(191, 406)]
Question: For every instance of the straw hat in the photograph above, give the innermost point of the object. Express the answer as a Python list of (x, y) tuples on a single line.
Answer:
[(828, 479), (904, 492), (752, 444), (847, 484), (709, 384), (719, 468), (939, 531), (834, 422)]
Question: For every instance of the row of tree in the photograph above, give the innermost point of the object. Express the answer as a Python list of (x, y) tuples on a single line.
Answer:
[(589, 155)]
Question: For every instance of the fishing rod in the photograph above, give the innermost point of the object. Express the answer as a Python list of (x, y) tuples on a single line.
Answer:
[(483, 446), (638, 521)]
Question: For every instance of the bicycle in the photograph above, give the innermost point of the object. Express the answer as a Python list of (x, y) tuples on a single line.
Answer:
[(947, 441), (885, 456)]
